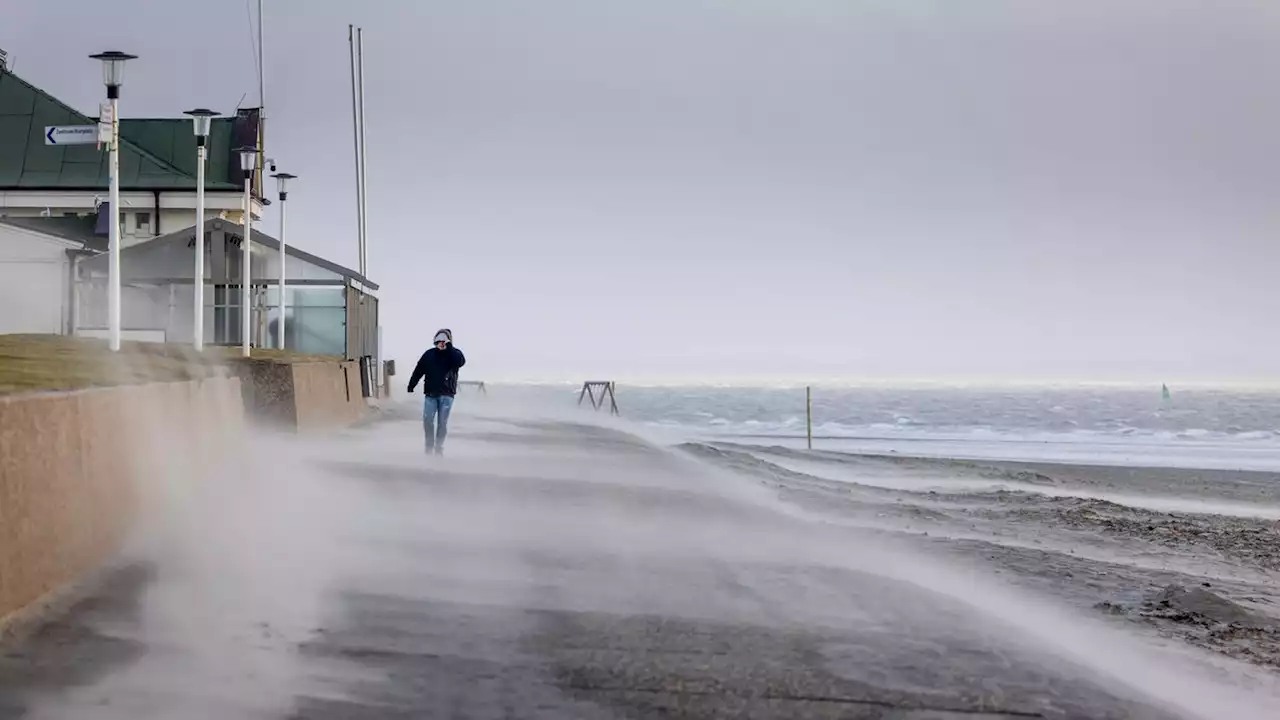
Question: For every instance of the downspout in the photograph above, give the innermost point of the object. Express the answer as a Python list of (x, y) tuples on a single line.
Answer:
[(155, 223), (72, 316)]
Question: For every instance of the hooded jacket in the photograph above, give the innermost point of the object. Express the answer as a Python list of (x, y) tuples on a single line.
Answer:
[(438, 369)]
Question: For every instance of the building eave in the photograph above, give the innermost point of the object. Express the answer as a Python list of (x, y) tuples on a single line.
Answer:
[(44, 234), (228, 188), (235, 232)]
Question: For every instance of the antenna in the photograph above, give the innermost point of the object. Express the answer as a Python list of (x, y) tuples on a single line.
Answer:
[(262, 73), (262, 107), (356, 119), (364, 185)]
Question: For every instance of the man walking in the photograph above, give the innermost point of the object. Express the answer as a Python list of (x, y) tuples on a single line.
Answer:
[(438, 370)]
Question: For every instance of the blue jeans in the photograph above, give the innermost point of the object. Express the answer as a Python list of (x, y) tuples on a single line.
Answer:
[(433, 430)]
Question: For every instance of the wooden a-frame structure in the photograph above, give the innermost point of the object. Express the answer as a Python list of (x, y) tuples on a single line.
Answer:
[(599, 391)]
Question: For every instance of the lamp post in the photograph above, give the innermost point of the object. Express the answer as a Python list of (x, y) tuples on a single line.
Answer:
[(201, 118), (282, 186), (113, 62), (248, 161)]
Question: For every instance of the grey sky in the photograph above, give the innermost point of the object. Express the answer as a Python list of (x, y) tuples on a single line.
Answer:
[(693, 188)]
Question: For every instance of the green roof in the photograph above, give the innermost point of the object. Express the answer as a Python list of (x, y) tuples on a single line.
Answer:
[(27, 163), (172, 141)]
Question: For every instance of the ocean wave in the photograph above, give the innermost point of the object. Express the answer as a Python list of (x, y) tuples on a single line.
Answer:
[(793, 427), (1049, 416)]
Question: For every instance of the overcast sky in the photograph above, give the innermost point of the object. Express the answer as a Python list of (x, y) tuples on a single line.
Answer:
[(788, 188)]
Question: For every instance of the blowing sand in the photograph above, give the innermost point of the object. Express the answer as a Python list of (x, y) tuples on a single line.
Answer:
[(1188, 554), (555, 568)]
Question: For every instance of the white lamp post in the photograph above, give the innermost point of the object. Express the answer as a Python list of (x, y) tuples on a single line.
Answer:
[(282, 186), (201, 118), (248, 161), (113, 63)]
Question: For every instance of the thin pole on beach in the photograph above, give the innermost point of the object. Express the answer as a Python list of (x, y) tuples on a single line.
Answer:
[(808, 413)]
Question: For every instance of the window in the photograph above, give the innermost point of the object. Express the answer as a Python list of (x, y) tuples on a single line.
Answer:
[(142, 221), (226, 314), (315, 319)]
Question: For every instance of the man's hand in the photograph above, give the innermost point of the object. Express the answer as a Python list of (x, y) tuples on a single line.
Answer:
[(411, 388)]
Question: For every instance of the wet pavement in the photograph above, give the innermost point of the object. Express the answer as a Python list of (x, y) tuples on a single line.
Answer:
[(542, 570)]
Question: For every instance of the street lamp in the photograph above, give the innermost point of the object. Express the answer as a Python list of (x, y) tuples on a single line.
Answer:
[(201, 118), (248, 161), (282, 187), (113, 63)]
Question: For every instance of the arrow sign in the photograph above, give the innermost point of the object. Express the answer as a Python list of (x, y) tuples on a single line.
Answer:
[(70, 134)]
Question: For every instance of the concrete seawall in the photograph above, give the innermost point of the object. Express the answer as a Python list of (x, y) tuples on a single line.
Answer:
[(74, 468), (327, 395), (303, 396), (77, 468)]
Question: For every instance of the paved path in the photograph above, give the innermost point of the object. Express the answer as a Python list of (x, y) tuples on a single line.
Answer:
[(543, 570)]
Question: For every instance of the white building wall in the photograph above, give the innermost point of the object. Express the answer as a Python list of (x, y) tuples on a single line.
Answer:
[(159, 313), (34, 282), (155, 307), (177, 261), (177, 209)]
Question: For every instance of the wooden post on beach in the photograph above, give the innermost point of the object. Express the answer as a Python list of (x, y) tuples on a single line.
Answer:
[(808, 413)]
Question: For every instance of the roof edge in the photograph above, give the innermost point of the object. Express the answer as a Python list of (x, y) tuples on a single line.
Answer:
[(32, 229), (188, 234), (216, 118), (88, 120), (222, 187)]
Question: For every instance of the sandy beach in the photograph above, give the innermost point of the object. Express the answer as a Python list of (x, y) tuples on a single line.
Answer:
[(1186, 553)]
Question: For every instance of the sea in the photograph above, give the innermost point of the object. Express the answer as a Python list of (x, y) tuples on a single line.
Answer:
[(1197, 428)]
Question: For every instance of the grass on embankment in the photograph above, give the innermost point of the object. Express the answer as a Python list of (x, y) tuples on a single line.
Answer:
[(41, 363)]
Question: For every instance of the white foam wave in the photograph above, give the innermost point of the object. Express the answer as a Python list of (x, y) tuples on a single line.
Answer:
[(905, 428)]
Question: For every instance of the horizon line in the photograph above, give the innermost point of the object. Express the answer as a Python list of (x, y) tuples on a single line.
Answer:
[(955, 382)]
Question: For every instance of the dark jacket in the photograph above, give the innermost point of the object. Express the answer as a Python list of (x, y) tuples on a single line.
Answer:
[(438, 371)]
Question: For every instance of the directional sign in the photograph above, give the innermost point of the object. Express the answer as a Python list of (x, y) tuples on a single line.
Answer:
[(70, 134)]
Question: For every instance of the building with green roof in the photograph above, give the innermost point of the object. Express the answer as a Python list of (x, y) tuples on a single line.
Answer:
[(157, 165), (53, 209)]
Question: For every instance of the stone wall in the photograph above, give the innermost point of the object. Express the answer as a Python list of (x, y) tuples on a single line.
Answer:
[(73, 465), (267, 389), (303, 396)]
